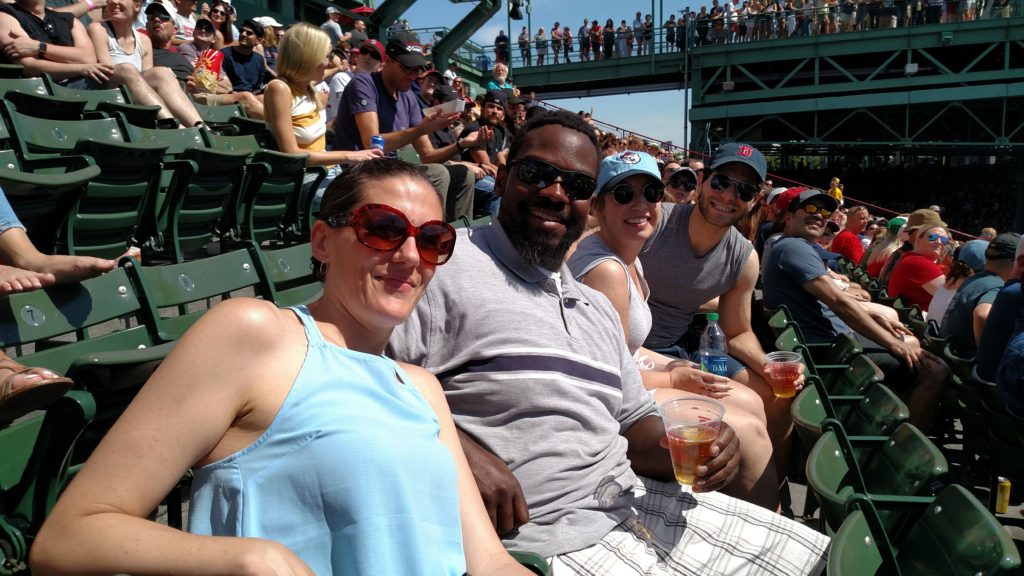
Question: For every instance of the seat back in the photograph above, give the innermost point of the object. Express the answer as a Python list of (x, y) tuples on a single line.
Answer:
[(108, 216), (934, 342), (247, 144), (860, 374), (957, 535), (42, 136), (177, 295), (902, 309), (176, 140), (205, 182), (959, 365), (877, 414), (219, 114), (35, 85), (65, 322), (779, 319), (858, 550), (269, 191), (289, 275), (92, 98), (45, 106)]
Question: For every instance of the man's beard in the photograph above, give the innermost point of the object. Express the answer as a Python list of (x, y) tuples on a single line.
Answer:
[(535, 245)]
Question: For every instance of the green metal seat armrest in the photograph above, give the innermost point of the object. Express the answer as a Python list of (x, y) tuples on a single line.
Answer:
[(904, 503), (123, 357), (831, 367), (118, 369), (50, 180), (533, 562), (69, 162)]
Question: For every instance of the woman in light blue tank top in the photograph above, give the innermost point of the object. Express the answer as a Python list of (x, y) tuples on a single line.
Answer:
[(627, 207), (312, 452)]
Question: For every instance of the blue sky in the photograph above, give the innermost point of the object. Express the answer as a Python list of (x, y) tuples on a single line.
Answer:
[(658, 115)]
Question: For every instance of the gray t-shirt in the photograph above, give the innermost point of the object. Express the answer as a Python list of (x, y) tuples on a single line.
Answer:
[(681, 281), (592, 251), (789, 263), (958, 323), (540, 377)]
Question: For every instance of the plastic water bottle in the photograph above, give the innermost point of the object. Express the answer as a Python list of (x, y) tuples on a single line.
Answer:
[(713, 348), (377, 142)]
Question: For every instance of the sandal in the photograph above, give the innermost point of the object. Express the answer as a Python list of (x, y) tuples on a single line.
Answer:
[(35, 395)]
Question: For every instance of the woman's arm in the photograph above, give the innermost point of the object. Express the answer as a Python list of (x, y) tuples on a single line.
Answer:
[(196, 406), (98, 36), (484, 552), (277, 106), (609, 278), (146, 45)]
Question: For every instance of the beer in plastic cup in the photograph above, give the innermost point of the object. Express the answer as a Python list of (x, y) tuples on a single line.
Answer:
[(692, 426), (784, 369)]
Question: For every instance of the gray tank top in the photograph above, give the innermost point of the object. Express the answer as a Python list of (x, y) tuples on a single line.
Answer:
[(679, 281), (591, 251)]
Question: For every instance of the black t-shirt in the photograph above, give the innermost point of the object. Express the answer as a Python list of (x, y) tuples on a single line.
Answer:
[(499, 141), (357, 39), (174, 60), (53, 28)]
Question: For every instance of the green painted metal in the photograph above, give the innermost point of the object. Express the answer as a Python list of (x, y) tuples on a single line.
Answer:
[(384, 15), (964, 90), (462, 31)]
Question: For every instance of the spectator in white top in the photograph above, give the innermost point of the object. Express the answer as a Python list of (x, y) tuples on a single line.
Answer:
[(185, 20), (451, 73)]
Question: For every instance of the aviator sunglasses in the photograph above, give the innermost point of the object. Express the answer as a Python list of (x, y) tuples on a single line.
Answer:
[(719, 182), (577, 186), (383, 228), (683, 179), (624, 194), (815, 209), (934, 237)]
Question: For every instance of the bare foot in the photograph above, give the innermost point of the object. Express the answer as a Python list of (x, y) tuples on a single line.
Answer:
[(14, 280), (70, 269), (30, 377)]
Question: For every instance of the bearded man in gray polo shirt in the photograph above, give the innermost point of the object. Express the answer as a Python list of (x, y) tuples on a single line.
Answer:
[(564, 442)]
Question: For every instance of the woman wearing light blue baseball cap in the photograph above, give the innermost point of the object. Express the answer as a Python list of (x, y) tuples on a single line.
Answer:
[(627, 209)]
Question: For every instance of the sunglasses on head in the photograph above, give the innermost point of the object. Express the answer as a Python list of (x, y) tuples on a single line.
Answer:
[(577, 186), (624, 194), (383, 228), (745, 191), (683, 179), (935, 237), (812, 208)]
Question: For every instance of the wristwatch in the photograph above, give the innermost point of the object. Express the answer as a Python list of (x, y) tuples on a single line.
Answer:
[(42, 50), (457, 145)]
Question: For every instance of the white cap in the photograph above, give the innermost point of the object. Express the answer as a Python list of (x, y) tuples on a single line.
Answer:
[(268, 22), (774, 194)]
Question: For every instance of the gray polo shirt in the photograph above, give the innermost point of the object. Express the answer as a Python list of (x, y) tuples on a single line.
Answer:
[(540, 376)]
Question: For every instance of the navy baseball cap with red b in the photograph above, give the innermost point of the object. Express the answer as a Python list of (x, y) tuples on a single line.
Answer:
[(742, 153)]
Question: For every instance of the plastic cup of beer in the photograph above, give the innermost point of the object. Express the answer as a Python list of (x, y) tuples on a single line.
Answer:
[(692, 426), (784, 369)]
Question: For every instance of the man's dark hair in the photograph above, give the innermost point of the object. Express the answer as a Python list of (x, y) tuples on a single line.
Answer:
[(253, 25), (546, 118)]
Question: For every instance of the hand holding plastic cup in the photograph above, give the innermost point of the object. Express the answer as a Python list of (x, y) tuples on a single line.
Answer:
[(692, 426), (784, 369)]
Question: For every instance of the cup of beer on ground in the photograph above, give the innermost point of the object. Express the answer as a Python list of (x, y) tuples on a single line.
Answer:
[(784, 369), (692, 425)]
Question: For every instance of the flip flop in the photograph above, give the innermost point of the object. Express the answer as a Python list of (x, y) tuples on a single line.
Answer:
[(36, 395)]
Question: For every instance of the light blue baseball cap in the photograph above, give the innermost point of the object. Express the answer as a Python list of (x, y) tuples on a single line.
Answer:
[(618, 167), (972, 253)]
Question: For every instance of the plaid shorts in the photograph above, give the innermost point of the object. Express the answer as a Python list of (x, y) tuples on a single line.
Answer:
[(674, 531)]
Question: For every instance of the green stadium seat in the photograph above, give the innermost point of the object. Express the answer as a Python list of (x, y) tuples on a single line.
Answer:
[(902, 309), (288, 274), (176, 140), (177, 295), (46, 106), (954, 535), (219, 114), (875, 413), (92, 98), (37, 85), (896, 473), (917, 323), (273, 183)]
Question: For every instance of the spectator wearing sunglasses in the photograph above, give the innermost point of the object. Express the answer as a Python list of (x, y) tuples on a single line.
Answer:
[(383, 104), (548, 413), (696, 256), (681, 184), (965, 318), (917, 276), (794, 275), (305, 403), (627, 208)]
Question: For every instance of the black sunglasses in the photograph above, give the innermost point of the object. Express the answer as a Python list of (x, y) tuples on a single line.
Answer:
[(745, 191), (683, 179), (624, 193), (383, 228), (577, 186)]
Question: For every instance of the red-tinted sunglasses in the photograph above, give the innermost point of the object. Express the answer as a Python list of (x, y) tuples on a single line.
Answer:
[(383, 228)]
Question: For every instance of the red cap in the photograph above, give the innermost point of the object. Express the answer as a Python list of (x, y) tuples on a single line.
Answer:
[(782, 201)]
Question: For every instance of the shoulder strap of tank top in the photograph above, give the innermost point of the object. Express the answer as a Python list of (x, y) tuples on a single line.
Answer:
[(313, 334)]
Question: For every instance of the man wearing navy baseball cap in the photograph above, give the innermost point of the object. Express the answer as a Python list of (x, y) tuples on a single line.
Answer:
[(696, 256), (795, 276)]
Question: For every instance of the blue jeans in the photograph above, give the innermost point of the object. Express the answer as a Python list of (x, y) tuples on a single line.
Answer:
[(675, 351), (484, 200), (8, 219)]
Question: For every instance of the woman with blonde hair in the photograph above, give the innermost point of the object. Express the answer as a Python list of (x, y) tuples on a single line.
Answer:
[(294, 113)]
